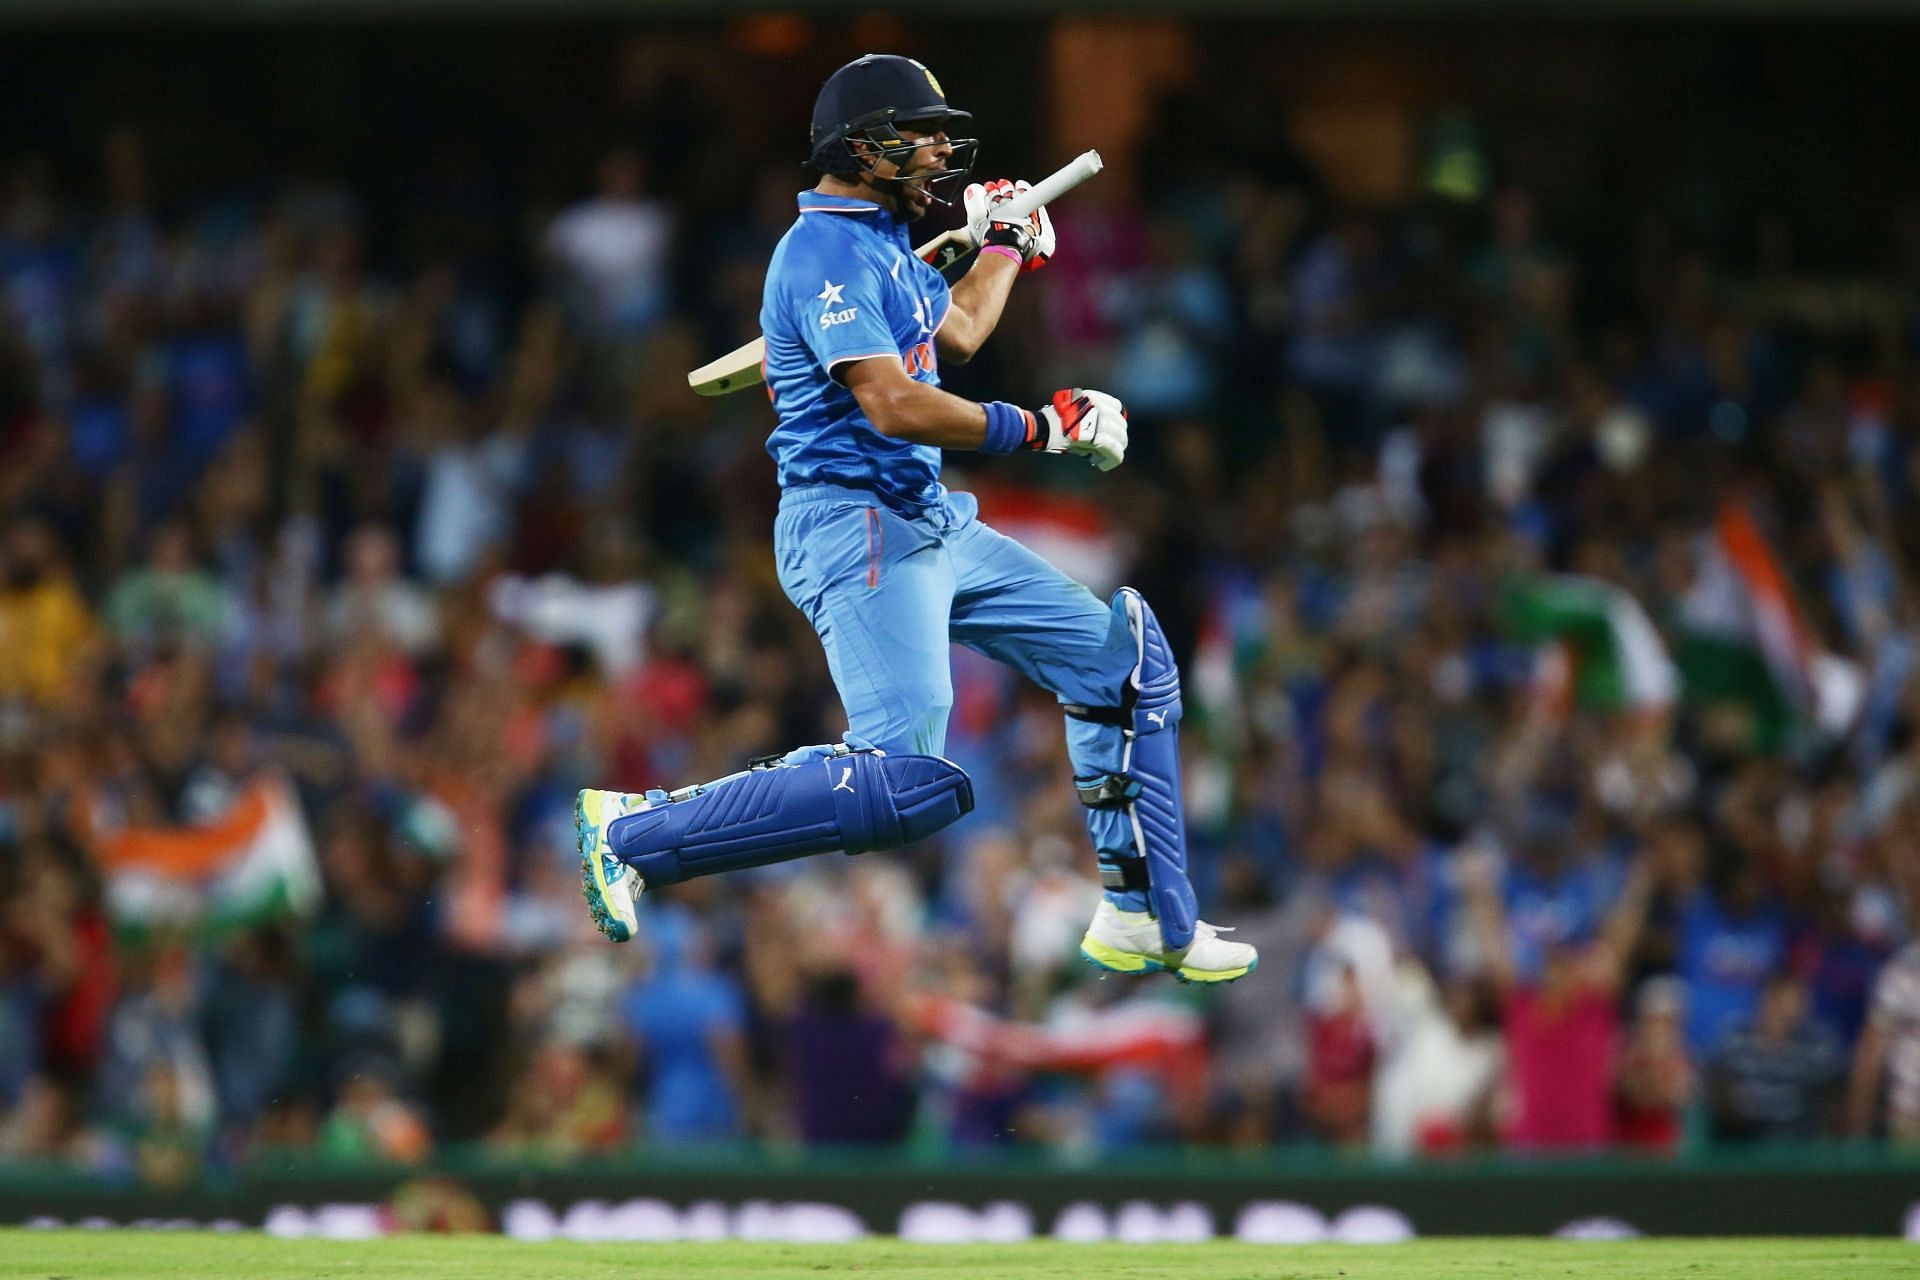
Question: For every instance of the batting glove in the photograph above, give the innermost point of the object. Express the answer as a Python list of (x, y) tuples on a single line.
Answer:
[(1090, 423), (1030, 237)]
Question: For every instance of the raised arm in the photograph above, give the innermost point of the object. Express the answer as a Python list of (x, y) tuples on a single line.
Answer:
[(1480, 883), (1863, 1088), (1621, 933), (1006, 249)]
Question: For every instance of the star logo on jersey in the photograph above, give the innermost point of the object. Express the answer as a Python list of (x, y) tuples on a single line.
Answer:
[(920, 315), (831, 294)]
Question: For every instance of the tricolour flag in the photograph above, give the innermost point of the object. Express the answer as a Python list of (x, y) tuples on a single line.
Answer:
[(1746, 643), (1601, 642), (1775, 622), (252, 864)]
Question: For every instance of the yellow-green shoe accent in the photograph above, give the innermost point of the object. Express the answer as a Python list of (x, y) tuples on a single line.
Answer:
[(1214, 976), (1100, 955), (608, 884)]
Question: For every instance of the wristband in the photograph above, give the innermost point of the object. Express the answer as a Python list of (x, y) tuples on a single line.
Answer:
[(1006, 427), (1007, 251)]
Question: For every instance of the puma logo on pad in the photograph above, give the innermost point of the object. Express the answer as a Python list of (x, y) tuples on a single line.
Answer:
[(846, 773), (1159, 718)]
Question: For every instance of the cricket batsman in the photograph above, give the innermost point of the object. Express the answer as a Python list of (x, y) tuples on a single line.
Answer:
[(891, 567)]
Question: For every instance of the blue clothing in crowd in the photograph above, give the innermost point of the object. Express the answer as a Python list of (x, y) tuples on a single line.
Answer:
[(1725, 960)]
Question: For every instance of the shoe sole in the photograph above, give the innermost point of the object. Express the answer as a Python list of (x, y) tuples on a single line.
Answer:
[(593, 881), (1101, 956)]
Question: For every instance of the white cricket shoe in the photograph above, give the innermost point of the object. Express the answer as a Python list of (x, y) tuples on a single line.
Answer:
[(1130, 942), (612, 888)]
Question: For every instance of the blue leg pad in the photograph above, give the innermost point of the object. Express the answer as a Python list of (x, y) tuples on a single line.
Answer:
[(814, 800), (1135, 813)]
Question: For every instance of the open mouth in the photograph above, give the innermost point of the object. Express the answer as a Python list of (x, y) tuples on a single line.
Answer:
[(918, 197)]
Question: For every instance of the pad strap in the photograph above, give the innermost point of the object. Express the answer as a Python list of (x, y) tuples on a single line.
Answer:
[(1120, 717), (1114, 791)]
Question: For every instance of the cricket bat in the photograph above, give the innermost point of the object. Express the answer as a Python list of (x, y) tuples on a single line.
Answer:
[(741, 367)]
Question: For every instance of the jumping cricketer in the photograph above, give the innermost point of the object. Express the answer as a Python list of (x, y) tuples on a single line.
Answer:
[(891, 567)]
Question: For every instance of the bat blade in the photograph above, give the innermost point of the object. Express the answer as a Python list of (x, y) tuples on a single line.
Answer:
[(738, 369), (741, 367)]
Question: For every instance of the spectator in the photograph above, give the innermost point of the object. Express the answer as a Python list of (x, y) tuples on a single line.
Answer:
[(688, 1021), (1656, 1076), (156, 1071), (467, 495), (1886, 1066), (50, 1123), (249, 1024), (1349, 1011), (369, 1120), (375, 602), (1563, 1031), (1777, 1076), (612, 249), (1731, 938), (1438, 1086), (1340, 1062), (838, 1051), (169, 1139), (567, 1103), (170, 602), (45, 625)]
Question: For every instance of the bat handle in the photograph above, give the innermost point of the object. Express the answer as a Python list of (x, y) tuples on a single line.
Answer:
[(1055, 184), (955, 245)]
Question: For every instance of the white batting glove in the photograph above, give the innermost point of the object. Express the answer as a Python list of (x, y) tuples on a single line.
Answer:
[(1030, 237), (1090, 423)]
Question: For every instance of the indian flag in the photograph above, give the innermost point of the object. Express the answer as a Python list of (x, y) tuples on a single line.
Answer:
[(1771, 618), (253, 863), (1602, 652), (1746, 643)]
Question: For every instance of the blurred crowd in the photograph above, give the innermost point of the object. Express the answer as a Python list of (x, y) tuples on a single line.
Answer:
[(433, 543)]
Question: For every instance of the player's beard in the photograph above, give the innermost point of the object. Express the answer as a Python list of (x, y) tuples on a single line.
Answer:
[(913, 196), (912, 199)]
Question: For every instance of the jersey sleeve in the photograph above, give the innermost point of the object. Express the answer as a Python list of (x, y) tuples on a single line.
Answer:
[(838, 312)]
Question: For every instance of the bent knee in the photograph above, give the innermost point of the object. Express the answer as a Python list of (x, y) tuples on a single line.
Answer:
[(919, 727)]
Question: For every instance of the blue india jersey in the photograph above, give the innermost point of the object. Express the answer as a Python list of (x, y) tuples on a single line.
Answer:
[(844, 285)]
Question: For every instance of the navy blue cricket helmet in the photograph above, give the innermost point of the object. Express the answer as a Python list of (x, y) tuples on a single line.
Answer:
[(868, 98)]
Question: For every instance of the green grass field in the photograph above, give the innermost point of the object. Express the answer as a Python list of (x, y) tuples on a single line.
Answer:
[(77, 1255)]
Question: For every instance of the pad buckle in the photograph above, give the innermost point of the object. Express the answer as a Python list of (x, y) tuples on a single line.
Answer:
[(1114, 791), (1125, 876)]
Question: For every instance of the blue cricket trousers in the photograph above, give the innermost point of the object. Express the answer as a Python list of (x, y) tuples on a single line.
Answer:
[(888, 593)]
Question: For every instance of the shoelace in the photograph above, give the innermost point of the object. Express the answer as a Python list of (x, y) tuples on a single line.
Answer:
[(1201, 929)]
